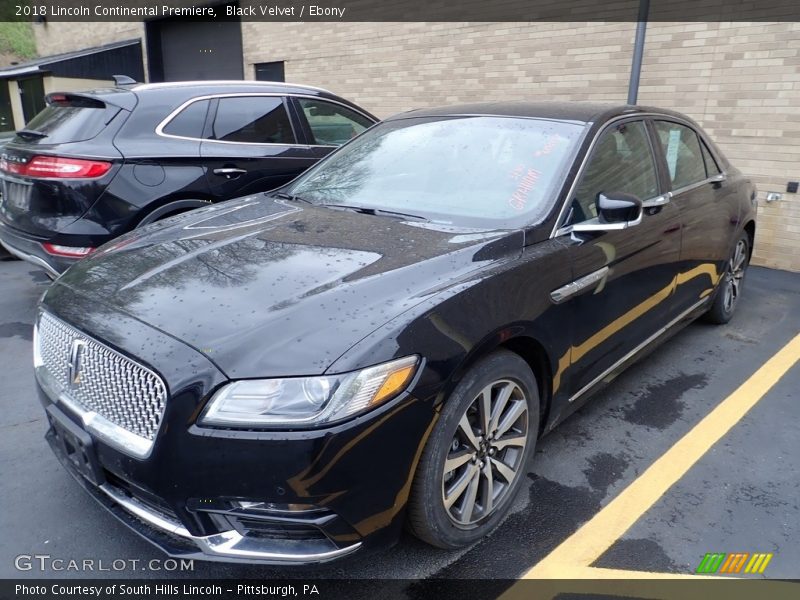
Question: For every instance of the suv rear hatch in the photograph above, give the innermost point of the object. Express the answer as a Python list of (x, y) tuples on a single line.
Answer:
[(61, 162)]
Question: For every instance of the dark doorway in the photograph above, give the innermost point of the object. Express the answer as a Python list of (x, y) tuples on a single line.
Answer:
[(187, 49), (270, 71), (31, 92), (6, 115)]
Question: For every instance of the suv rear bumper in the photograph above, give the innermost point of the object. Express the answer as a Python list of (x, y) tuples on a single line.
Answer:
[(31, 250)]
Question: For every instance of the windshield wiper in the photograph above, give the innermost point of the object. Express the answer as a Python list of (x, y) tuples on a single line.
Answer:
[(365, 210), (31, 134), (285, 196)]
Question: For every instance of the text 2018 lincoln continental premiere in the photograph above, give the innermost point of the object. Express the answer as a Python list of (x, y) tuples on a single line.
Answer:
[(292, 377)]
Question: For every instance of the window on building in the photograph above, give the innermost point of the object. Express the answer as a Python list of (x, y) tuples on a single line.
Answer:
[(189, 122), (332, 124), (270, 71), (622, 161), (682, 152), (253, 120)]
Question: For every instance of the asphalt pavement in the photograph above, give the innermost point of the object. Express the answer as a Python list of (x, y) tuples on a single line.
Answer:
[(741, 496)]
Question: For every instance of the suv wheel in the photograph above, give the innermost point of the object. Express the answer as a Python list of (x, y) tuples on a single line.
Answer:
[(475, 460)]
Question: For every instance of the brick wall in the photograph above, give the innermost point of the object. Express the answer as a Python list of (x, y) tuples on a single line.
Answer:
[(740, 80), (742, 83)]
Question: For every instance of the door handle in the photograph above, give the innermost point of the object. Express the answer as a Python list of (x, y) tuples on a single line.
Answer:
[(230, 172), (657, 201)]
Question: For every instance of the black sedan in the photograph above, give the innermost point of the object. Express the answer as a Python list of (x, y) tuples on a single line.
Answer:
[(293, 377)]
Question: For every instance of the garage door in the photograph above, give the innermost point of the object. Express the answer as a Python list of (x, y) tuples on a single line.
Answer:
[(186, 50)]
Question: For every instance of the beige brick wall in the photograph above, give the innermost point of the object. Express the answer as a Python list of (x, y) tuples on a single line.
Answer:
[(392, 67), (740, 80)]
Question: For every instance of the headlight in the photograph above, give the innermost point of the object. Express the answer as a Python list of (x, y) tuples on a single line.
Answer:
[(307, 400)]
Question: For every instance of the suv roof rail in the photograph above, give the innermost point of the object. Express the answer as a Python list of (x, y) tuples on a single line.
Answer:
[(165, 84)]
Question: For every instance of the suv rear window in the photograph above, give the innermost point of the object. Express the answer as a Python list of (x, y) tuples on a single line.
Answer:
[(67, 118)]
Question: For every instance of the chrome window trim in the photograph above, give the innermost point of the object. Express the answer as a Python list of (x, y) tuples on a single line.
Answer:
[(166, 120), (559, 230)]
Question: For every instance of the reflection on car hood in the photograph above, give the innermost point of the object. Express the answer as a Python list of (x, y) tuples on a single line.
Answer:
[(268, 288)]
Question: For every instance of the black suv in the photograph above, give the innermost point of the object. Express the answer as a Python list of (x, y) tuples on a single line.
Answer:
[(94, 165)]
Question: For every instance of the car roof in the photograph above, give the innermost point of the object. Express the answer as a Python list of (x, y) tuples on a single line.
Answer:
[(181, 91), (578, 112)]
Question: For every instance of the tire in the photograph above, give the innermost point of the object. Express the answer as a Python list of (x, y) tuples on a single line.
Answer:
[(730, 286), (440, 512)]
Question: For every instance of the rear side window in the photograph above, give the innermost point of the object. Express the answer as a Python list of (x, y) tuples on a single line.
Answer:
[(252, 120), (331, 124), (68, 118), (190, 121), (682, 153)]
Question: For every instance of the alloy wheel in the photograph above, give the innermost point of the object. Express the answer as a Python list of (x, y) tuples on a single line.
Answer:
[(734, 275), (486, 453)]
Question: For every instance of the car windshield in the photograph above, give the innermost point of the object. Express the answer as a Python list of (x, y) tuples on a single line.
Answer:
[(472, 171)]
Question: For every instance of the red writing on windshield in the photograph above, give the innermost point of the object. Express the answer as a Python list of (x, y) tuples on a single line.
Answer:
[(519, 199)]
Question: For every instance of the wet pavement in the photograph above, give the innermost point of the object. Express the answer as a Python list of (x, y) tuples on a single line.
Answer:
[(741, 496)]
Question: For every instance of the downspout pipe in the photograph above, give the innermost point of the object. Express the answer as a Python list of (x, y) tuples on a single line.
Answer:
[(638, 51)]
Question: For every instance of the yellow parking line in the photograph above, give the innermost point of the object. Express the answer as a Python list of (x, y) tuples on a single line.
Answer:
[(587, 544)]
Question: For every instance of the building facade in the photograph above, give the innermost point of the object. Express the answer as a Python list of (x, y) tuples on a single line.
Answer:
[(741, 81)]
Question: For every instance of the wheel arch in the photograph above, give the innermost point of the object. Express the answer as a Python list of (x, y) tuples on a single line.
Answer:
[(170, 207), (528, 347)]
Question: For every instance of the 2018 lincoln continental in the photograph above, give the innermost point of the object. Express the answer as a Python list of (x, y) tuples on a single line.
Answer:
[(296, 375)]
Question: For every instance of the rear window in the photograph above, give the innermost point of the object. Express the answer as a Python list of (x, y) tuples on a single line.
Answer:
[(67, 119)]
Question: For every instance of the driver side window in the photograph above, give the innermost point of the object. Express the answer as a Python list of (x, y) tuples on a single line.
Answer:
[(622, 161)]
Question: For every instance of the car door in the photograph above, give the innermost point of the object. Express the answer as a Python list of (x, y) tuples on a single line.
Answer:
[(623, 279), (328, 124), (697, 187), (250, 145)]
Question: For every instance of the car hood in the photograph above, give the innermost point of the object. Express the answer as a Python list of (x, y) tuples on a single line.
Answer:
[(268, 288)]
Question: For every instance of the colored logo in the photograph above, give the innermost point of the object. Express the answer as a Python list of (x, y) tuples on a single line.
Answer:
[(736, 562)]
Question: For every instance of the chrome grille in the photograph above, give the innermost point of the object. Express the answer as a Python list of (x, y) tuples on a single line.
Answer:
[(123, 392)]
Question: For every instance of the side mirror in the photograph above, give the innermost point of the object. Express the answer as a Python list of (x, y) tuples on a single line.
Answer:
[(618, 207), (615, 210)]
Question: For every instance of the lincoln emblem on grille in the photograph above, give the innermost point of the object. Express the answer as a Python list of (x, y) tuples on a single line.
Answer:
[(75, 362)]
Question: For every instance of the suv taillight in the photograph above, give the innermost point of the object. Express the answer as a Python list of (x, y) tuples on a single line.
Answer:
[(58, 167)]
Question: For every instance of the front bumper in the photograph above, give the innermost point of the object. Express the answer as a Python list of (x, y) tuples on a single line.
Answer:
[(171, 537), (334, 492)]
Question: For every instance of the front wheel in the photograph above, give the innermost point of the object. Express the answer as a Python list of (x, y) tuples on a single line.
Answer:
[(730, 288), (475, 460)]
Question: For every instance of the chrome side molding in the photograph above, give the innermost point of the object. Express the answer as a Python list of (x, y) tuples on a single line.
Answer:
[(567, 291), (638, 349)]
